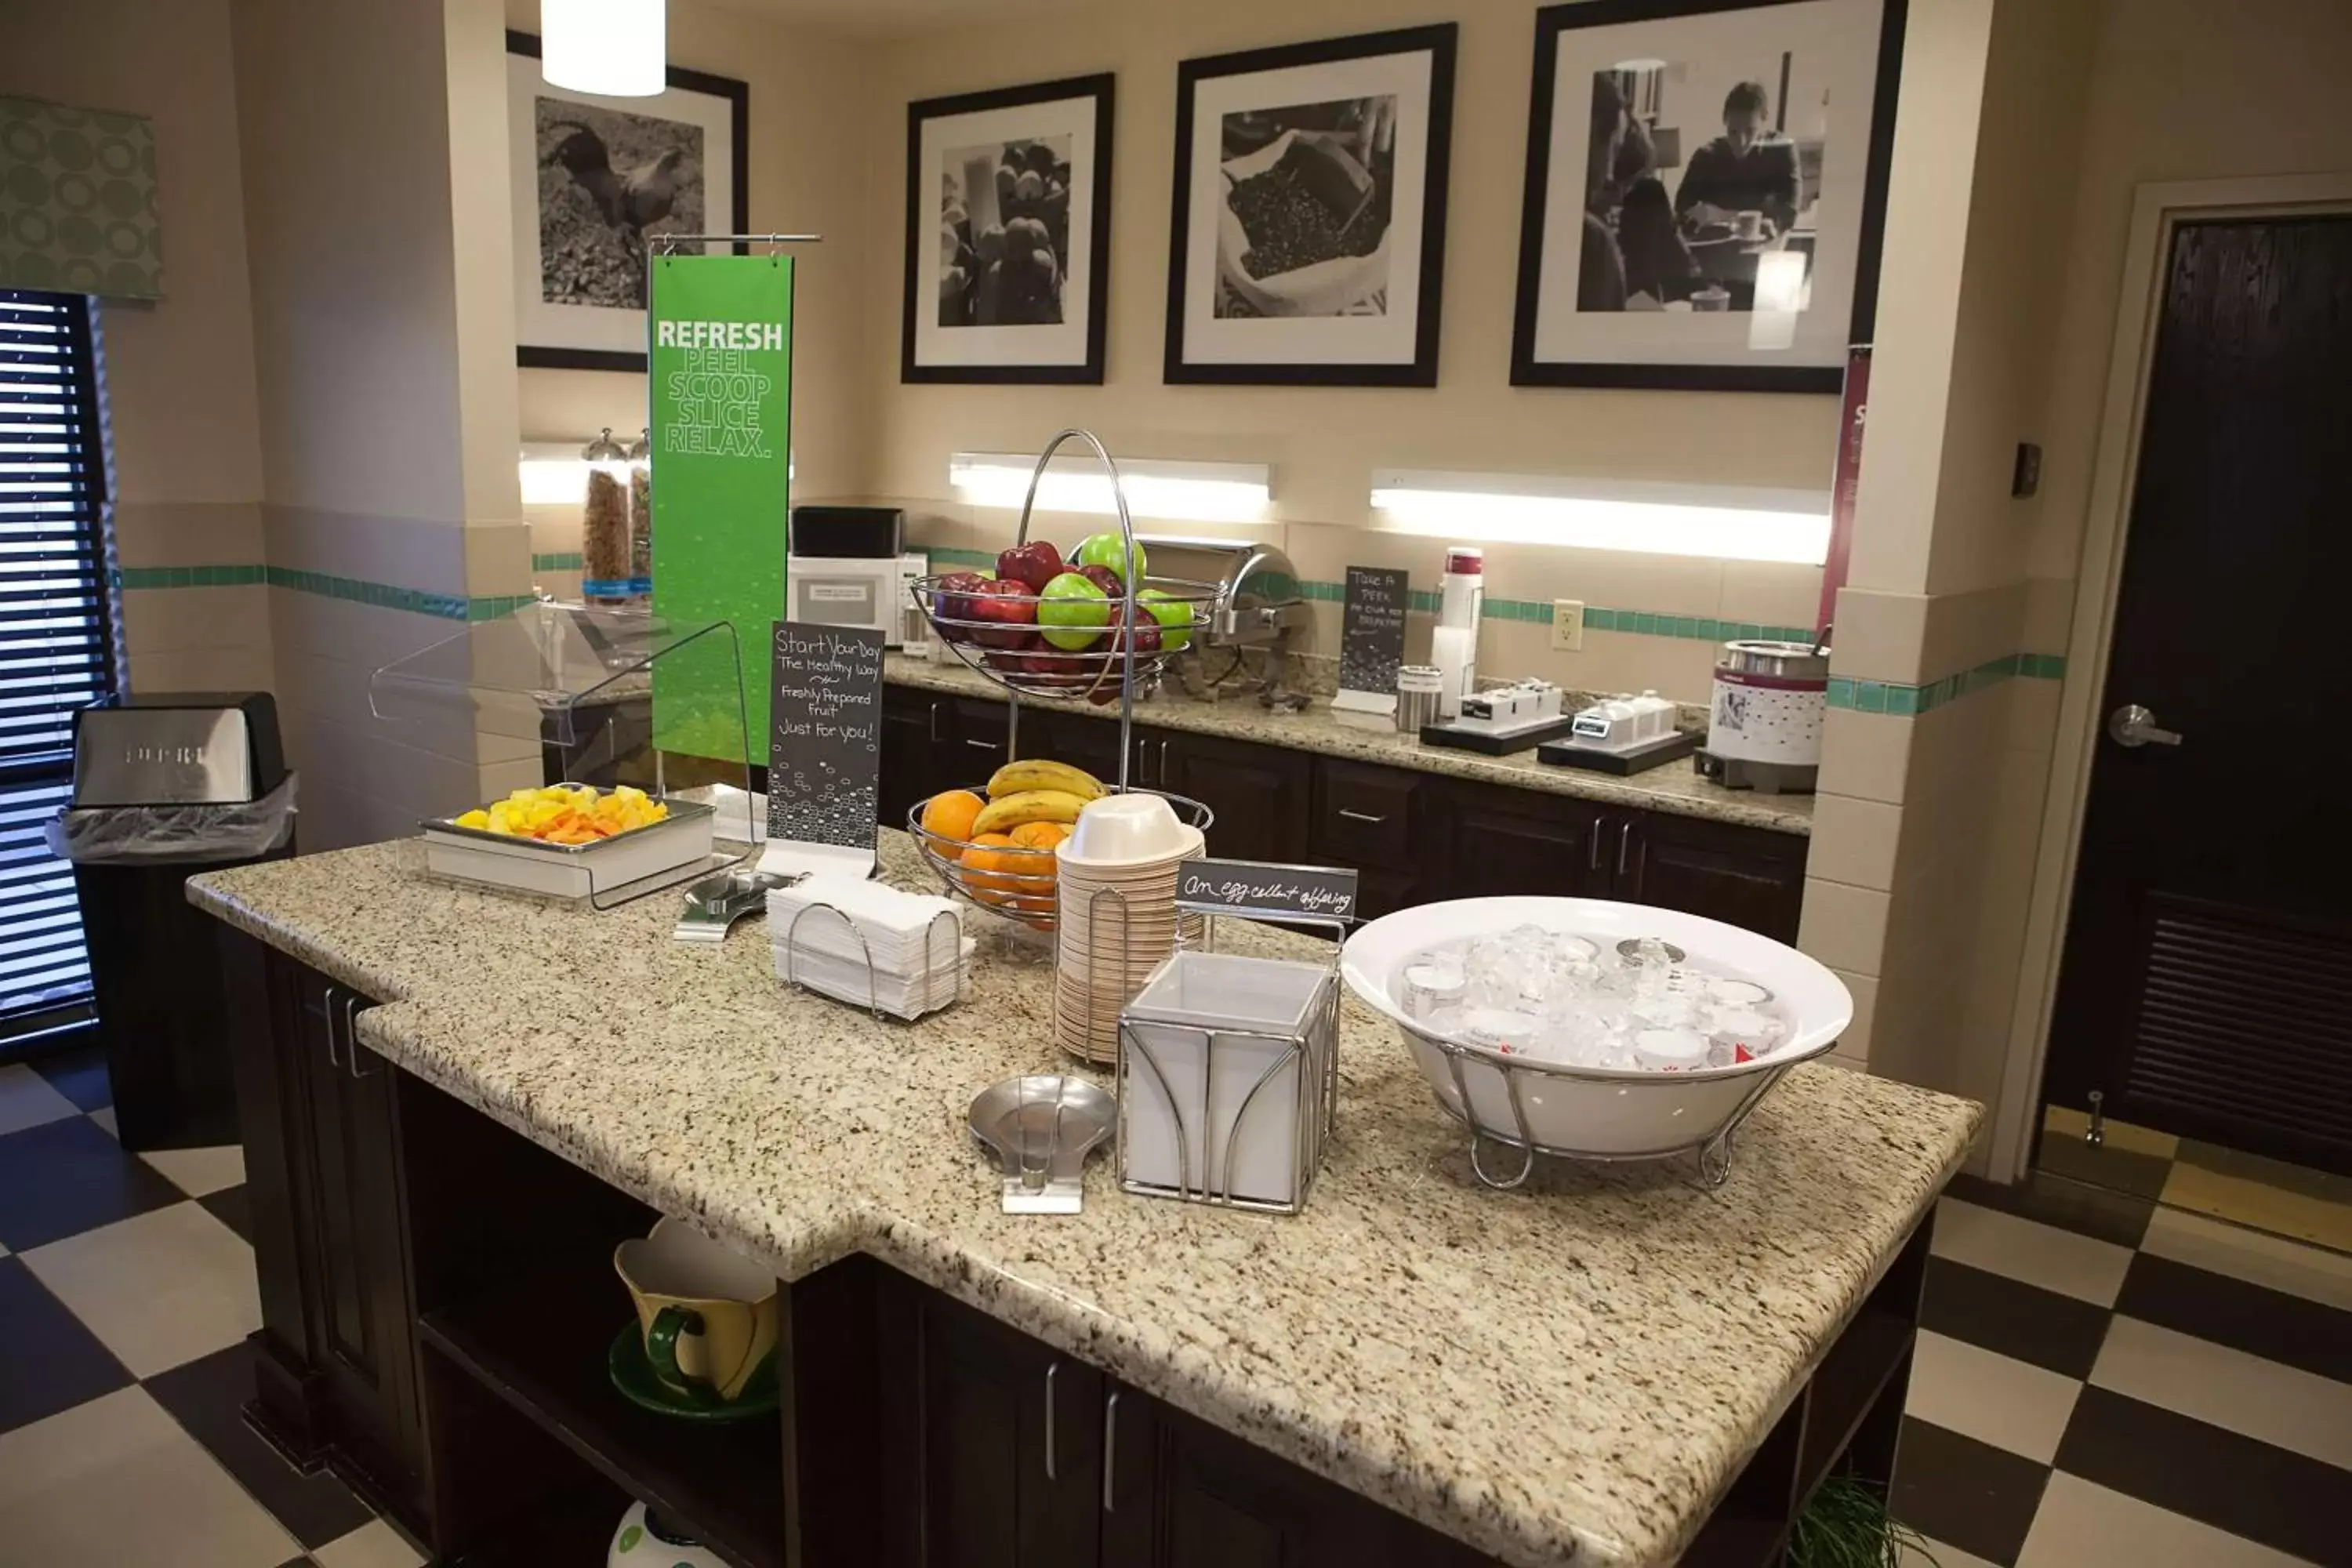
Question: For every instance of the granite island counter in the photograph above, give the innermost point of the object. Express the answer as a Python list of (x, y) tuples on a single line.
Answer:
[(1579, 1371)]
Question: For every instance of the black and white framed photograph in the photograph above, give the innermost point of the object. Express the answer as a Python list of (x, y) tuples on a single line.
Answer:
[(597, 181), (1008, 234), (1704, 187), (1307, 241)]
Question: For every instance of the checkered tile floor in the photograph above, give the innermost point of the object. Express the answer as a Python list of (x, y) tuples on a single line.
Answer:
[(126, 1293), (2098, 1381)]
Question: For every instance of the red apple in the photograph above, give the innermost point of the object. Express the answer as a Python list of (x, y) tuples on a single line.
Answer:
[(1033, 564), (1146, 633), (1103, 577), (952, 602), (1010, 609)]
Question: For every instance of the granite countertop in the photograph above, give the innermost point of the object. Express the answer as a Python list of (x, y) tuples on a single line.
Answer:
[(1675, 787), (1576, 1370)]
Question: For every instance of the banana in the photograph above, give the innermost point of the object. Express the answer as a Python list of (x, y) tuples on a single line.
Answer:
[(1029, 806), (1019, 777)]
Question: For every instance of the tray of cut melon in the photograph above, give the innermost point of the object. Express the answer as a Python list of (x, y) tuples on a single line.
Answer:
[(569, 840), (993, 844)]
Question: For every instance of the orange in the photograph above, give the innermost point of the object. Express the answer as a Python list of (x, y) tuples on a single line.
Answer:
[(998, 869), (950, 814), (1040, 835)]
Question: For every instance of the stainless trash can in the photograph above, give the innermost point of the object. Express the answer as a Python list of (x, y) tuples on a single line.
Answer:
[(166, 785)]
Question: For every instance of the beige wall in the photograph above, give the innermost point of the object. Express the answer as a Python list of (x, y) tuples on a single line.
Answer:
[(180, 377), (1323, 443), (1927, 829), (387, 449), (2180, 89)]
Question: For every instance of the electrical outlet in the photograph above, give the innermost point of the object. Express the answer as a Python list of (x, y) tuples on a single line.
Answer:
[(1567, 624)]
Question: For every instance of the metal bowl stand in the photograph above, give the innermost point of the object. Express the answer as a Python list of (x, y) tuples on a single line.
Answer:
[(1714, 1149)]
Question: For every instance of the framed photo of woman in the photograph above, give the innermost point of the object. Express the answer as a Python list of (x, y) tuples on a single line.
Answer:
[(1307, 244), (1705, 184), (1008, 235)]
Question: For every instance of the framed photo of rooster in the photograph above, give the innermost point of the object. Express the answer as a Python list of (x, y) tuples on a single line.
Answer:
[(598, 179), (1008, 235)]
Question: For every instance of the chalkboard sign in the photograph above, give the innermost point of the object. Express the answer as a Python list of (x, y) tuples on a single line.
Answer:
[(824, 746), (1372, 629), (1259, 887)]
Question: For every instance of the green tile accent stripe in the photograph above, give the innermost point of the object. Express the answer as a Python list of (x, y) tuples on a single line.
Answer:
[(1906, 702), (383, 595), (186, 576), (557, 560)]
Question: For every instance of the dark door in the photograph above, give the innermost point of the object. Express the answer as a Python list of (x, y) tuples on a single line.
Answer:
[(1498, 841), (1746, 876), (362, 1333), (911, 752), (2210, 945), (1182, 1494), (1258, 793), (1006, 1450)]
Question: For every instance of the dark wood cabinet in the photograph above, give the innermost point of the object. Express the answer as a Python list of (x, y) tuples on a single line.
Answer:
[(911, 762), (1495, 842), (336, 1355), (998, 1452), (1368, 816), (1181, 1494), (1741, 876), (1259, 793)]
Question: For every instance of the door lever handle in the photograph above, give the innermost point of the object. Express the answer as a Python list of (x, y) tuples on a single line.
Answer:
[(2133, 725)]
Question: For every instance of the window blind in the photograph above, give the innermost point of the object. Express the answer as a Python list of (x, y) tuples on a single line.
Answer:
[(55, 638)]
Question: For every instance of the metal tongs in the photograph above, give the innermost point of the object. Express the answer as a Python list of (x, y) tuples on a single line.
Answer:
[(1041, 1129), (716, 903)]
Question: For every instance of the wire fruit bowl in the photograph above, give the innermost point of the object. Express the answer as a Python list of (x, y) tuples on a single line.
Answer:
[(1010, 648), (1017, 881)]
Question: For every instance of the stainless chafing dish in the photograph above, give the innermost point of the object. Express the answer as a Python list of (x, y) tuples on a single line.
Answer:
[(1260, 611)]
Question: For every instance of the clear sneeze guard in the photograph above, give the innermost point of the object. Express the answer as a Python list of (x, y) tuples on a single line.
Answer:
[(568, 695)]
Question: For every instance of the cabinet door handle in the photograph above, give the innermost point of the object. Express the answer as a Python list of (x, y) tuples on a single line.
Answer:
[(1361, 816), (1162, 774), (352, 1037), (935, 723), (984, 745), (333, 1061), (1110, 1450), (1624, 843), (1050, 1371), (1592, 850)]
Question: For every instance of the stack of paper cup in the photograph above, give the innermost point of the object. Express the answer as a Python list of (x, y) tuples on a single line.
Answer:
[(1116, 873)]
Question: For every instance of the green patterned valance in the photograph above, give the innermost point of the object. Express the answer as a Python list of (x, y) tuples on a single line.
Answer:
[(78, 201)]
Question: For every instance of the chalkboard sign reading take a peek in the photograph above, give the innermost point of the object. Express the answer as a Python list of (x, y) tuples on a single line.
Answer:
[(824, 746), (1372, 629), (1260, 887)]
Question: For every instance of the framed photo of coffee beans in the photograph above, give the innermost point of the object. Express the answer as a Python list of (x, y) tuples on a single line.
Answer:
[(1307, 246), (1008, 235), (1705, 184)]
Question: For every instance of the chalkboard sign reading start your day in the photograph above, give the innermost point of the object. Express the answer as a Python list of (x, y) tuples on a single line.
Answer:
[(824, 749), (1327, 893), (1372, 629)]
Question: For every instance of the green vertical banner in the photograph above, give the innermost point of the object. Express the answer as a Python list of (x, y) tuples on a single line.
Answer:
[(719, 354)]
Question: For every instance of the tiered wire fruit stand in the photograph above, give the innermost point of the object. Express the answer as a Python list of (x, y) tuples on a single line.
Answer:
[(1134, 647)]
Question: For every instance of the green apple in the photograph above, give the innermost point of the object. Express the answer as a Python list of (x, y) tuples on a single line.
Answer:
[(1109, 550), (1071, 610), (1174, 616)]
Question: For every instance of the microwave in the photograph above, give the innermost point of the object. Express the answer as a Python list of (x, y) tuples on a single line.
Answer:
[(874, 592)]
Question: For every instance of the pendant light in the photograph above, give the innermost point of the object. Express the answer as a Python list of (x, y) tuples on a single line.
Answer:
[(617, 48)]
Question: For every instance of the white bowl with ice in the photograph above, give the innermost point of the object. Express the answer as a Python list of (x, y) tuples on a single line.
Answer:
[(1619, 1048)]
